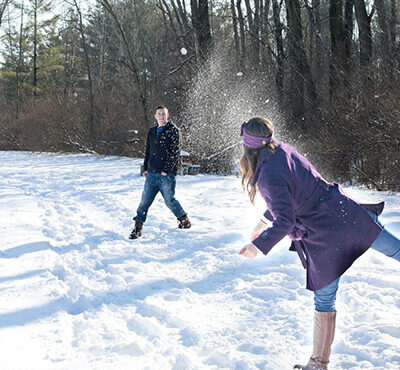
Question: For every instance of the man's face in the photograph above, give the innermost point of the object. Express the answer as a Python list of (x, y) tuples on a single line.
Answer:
[(161, 116)]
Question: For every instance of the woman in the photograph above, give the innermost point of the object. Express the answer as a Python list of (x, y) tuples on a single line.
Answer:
[(328, 229)]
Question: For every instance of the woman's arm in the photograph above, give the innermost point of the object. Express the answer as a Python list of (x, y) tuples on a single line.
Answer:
[(281, 207), (260, 227)]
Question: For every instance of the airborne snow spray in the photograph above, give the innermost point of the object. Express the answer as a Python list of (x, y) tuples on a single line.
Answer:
[(219, 99)]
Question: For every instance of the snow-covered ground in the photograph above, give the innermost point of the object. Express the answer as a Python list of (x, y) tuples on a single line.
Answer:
[(75, 293)]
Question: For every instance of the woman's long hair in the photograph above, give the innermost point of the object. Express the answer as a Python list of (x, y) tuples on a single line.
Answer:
[(248, 162)]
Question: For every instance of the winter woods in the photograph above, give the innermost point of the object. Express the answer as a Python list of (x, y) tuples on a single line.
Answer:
[(84, 76)]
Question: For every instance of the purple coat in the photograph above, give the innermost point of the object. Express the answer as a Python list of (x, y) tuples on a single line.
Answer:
[(329, 230)]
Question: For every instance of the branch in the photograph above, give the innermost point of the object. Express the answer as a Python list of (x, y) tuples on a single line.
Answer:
[(133, 68), (359, 170), (314, 28), (224, 150), (181, 65), (365, 146), (3, 8)]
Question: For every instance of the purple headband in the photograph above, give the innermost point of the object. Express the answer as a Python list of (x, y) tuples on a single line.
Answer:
[(251, 140)]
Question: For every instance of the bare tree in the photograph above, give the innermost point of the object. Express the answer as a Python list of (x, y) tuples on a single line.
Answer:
[(242, 38), (167, 14), (88, 69), (3, 6), (336, 27), (201, 26), (235, 33), (300, 72), (383, 35), (35, 45), (19, 63), (278, 28), (348, 34), (393, 22), (131, 60), (364, 32)]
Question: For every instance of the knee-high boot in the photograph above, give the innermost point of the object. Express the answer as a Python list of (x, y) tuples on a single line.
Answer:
[(324, 332)]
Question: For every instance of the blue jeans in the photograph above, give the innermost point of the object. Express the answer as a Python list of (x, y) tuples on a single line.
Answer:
[(155, 182), (386, 243)]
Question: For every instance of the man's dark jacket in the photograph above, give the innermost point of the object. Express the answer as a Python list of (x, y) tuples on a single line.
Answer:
[(162, 153)]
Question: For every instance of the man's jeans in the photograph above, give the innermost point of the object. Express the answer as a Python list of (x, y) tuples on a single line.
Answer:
[(155, 182), (385, 243)]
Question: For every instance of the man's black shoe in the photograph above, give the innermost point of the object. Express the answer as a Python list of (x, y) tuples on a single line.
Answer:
[(184, 222), (137, 231)]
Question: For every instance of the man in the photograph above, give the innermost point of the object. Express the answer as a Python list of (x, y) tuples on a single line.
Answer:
[(160, 167)]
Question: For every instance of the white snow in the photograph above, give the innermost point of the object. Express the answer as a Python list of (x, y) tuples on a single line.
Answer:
[(75, 293)]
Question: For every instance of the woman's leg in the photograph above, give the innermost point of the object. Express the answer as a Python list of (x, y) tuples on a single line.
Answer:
[(325, 298), (324, 326), (386, 242)]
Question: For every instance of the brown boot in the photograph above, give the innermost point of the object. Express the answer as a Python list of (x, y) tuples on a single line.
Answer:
[(324, 332), (137, 231), (184, 222)]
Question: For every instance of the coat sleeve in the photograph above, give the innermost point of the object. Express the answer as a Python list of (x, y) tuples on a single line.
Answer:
[(147, 155), (172, 152), (281, 207)]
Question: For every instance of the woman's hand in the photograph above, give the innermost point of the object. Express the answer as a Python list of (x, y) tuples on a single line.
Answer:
[(261, 226), (249, 251)]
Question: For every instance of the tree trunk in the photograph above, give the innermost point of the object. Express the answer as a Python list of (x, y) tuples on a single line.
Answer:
[(336, 27), (348, 34), (276, 10), (167, 11), (365, 44), (318, 45), (201, 26), (89, 73), (235, 34), (35, 41), (132, 64), (183, 24), (384, 36), (300, 72), (253, 22), (364, 33), (392, 27), (256, 33), (3, 6), (19, 64), (187, 36), (183, 14), (242, 35), (249, 14), (266, 51)]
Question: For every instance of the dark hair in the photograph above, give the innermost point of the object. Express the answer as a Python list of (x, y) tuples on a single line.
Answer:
[(256, 126), (160, 107)]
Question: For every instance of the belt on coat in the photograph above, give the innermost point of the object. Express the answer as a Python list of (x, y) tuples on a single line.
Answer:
[(299, 230)]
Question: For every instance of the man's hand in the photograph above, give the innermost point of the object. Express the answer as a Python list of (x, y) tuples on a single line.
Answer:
[(261, 226), (249, 251), (164, 173), (144, 174)]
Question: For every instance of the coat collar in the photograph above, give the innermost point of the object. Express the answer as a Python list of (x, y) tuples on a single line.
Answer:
[(167, 125)]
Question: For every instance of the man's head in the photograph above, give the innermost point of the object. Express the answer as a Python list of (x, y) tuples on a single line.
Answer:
[(161, 115)]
